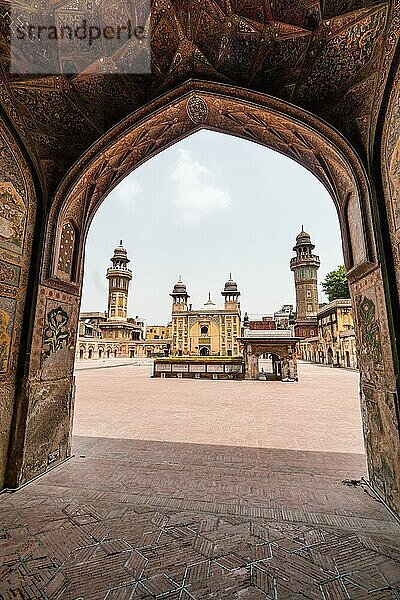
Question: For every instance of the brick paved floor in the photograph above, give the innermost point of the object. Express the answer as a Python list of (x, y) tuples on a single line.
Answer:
[(131, 519), (143, 519), (321, 412)]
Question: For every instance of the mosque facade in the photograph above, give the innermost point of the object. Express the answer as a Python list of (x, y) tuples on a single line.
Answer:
[(208, 330)]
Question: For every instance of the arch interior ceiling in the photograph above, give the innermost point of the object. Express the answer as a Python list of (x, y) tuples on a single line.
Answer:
[(326, 55)]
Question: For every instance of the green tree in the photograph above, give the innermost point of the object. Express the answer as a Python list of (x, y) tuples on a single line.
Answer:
[(336, 285)]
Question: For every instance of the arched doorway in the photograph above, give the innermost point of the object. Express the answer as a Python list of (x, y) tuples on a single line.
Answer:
[(204, 351), (280, 126), (270, 367)]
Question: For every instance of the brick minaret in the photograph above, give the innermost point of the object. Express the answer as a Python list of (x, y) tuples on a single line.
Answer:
[(305, 266), (119, 278)]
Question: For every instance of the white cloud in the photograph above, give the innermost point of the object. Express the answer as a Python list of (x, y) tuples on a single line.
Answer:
[(195, 197), (127, 192)]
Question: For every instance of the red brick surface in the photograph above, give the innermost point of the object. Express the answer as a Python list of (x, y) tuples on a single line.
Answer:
[(140, 519)]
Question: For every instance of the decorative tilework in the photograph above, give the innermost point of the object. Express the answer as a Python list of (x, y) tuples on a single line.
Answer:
[(9, 273)]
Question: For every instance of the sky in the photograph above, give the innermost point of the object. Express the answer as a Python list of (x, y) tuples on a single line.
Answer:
[(206, 207)]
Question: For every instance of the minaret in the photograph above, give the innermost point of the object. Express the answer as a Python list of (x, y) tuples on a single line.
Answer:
[(305, 266), (119, 278), (180, 297), (231, 294)]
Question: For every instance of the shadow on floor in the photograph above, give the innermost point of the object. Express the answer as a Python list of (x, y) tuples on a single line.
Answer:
[(142, 519)]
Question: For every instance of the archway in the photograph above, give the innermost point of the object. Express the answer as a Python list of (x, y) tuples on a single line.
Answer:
[(275, 124), (270, 367), (282, 353), (204, 351)]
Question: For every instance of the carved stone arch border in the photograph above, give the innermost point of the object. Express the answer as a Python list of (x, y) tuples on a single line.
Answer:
[(255, 117), (195, 106), (390, 161)]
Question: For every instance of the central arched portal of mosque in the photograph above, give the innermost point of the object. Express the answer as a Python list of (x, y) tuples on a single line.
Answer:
[(42, 423)]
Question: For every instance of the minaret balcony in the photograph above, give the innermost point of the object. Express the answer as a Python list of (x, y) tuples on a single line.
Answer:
[(119, 272), (310, 259)]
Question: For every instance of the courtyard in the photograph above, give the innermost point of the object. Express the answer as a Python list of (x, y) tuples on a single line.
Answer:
[(319, 413)]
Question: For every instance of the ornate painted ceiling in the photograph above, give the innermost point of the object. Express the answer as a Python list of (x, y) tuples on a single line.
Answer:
[(328, 56)]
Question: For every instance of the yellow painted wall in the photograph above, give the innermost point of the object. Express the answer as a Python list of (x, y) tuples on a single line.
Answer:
[(221, 338), (152, 331)]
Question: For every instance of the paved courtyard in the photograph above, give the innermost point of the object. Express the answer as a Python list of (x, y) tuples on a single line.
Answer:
[(193, 515), (320, 413)]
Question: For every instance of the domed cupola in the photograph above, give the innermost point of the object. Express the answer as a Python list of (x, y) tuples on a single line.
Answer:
[(231, 292), (179, 288), (303, 236), (304, 245), (121, 248), (230, 285), (180, 295), (120, 258)]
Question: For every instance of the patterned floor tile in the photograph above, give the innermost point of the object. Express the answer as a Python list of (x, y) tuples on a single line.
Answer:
[(138, 519)]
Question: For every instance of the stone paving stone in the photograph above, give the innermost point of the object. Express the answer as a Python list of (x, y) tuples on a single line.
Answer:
[(197, 571), (231, 562), (159, 585)]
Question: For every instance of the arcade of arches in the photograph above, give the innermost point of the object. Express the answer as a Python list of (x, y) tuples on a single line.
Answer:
[(318, 81)]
